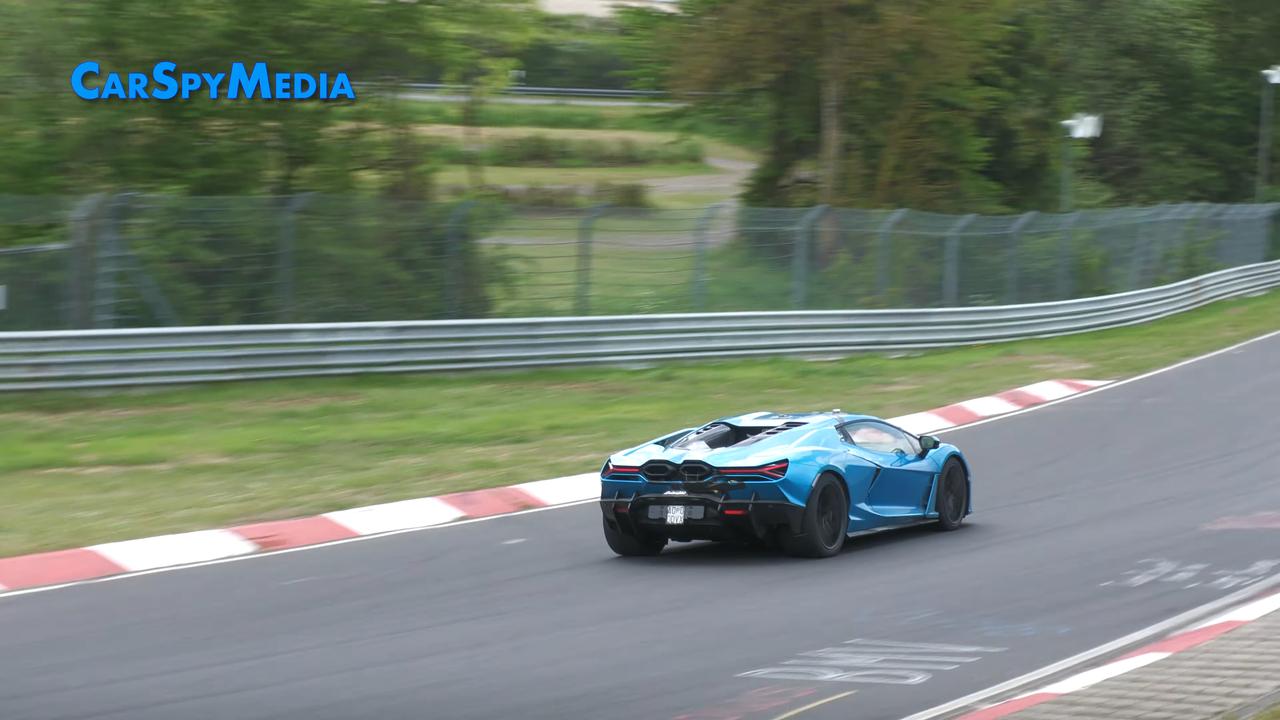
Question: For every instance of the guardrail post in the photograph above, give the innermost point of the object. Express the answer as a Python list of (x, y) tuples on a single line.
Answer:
[(286, 257), (455, 235), (800, 249), (582, 304), (951, 262), (699, 283), (1013, 257), (884, 239), (1065, 286)]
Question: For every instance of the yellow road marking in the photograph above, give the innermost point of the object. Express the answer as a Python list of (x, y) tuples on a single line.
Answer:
[(813, 705)]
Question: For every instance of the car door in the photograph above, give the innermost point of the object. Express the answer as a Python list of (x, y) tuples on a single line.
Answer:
[(902, 485)]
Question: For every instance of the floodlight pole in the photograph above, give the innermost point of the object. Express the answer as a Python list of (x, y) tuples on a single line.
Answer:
[(1270, 77), (1064, 199)]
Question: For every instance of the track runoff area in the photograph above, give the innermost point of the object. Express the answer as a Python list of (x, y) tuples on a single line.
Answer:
[(1104, 523)]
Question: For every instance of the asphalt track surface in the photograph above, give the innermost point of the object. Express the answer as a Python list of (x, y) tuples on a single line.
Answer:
[(1091, 524)]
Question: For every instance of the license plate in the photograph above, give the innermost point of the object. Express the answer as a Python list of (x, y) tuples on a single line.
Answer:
[(675, 514)]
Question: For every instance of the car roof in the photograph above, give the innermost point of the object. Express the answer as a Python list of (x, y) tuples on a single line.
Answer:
[(765, 418)]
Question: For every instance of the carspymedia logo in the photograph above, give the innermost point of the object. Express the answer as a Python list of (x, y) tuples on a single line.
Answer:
[(165, 83)]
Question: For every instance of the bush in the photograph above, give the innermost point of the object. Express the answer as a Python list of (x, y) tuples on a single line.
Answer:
[(541, 196), (545, 151), (632, 195)]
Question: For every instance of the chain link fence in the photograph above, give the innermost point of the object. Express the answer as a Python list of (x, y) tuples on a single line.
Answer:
[(133, 260)]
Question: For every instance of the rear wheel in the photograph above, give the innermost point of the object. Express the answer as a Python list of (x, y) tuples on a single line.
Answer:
[(953, 495), (826, 522), (626, 544)]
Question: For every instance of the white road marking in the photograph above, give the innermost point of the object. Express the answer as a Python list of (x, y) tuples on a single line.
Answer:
[(163, 550), (1106, 672), (1050, 390), (513, 541), (921, 422), (884, 662), (1246, 613), (989, 405), (557, 491), (403, 515)]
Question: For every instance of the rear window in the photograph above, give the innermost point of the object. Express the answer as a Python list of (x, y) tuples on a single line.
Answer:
[(715, 435)]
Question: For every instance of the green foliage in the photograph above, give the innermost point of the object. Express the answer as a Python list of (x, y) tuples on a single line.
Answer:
[(319, 258), (575, 51), (955, 106), (52, 141)]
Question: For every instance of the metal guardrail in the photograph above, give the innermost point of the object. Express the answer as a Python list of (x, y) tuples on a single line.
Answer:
[(152, 356)]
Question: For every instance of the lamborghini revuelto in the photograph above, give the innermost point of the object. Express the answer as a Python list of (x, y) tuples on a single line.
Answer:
[(803, 482)]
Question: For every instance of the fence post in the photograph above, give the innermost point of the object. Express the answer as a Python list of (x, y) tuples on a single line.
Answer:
[(884, 238), (951, 262), (1142, 245), (142, 280), (1013, 257), (800, 256), (106, 265), (699, 283), (286, 262), (1171, 247), (455, 234), (582, 304), (1065, 287), (80, 240)]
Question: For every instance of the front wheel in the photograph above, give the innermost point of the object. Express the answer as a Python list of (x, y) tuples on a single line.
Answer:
[(628, 545), (953, 495), (825, 525)]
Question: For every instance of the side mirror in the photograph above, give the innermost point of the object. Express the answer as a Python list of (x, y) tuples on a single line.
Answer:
[(929, 442)]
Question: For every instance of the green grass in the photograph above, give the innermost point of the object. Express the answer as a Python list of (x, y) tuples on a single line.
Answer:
[(685, 120), (686, 201), (587, 176), (619, 117), (80, 468)]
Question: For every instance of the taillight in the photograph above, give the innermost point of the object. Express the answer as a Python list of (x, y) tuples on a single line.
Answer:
[(611, 469), (775, 470)]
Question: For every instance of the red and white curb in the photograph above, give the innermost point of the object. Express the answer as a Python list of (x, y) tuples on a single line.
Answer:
[(1155, 652), (97, 561)]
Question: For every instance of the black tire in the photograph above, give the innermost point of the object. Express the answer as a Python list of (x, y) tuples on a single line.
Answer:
[(628, 545), (826, 522), (953, 495)]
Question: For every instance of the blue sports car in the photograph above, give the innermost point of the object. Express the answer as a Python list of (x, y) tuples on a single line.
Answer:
[(804, 482)]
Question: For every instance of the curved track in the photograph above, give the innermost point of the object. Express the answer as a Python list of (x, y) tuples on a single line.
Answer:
[(1094, 520)]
